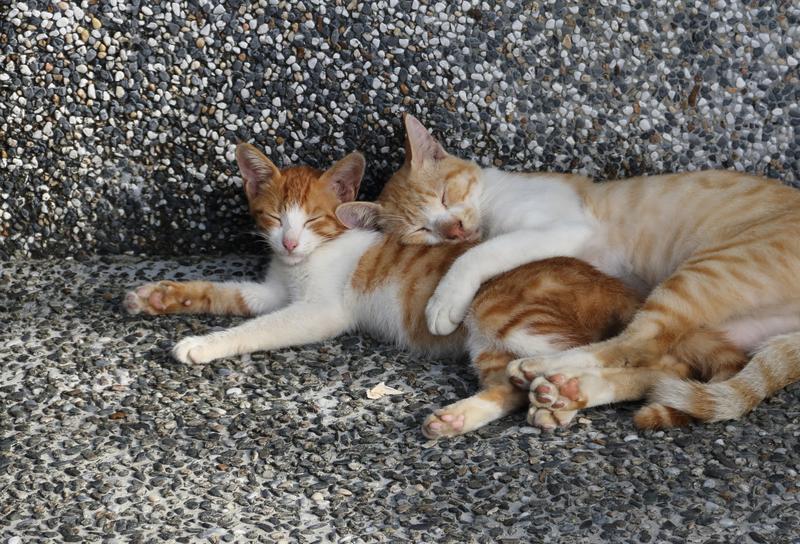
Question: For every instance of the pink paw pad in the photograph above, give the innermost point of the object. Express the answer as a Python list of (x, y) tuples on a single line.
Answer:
[(571, 389), (456, 422), (156, 300)]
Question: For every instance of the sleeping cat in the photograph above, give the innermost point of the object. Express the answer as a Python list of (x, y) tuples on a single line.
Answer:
[(327, 279), (715, 251)]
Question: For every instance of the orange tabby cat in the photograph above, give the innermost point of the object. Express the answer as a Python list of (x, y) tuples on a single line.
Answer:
[(714, 250), (327, 279)]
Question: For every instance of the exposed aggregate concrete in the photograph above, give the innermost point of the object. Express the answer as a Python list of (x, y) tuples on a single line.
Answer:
[(119, 118), (103, 437)]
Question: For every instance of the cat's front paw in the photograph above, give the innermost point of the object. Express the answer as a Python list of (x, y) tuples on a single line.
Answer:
[(163, 297), (448, 306), (195, 350)]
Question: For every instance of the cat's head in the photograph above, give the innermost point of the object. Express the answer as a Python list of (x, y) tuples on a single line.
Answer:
[(434, 197), (295, 208)]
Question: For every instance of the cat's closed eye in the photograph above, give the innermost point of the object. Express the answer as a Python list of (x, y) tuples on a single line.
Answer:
[(271, 217)]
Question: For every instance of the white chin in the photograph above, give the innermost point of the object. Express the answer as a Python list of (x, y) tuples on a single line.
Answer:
[(293, 259)]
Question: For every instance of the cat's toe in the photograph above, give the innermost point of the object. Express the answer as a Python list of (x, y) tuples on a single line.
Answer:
[(516, 375), (542, 418), (132, 303), (549, 420), (559, 391), (543, 393), (521, 372), (443, 424)]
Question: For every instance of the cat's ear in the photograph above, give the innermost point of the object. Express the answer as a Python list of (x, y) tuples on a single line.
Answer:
[(358, 215), (257, 170), (421, 146), (344, 177)]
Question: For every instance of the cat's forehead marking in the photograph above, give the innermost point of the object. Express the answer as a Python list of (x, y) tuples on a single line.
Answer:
[(298, 183)]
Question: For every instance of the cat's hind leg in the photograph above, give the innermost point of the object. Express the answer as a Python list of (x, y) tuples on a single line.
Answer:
[(502, 325), (496, 399), (573, 389), (707, 290)]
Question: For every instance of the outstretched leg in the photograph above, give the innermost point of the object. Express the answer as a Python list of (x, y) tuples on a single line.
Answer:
[(206, 297), (496, 399), (295, 325), (705, 354), (574, 389), (707, 290)]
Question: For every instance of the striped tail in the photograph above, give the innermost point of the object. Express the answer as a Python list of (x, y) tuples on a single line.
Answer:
[(774, 366)]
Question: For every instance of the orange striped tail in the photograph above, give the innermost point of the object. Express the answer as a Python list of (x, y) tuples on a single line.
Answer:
[(774, 366)]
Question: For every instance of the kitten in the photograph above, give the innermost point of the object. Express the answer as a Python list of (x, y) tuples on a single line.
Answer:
[(716, 251), (330, 275)]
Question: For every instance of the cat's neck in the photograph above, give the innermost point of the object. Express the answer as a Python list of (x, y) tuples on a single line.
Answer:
[(329, 266), (509, 199)]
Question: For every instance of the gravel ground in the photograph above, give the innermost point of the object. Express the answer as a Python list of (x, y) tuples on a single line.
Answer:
[(118, 121), (119, 117), (104, 437)]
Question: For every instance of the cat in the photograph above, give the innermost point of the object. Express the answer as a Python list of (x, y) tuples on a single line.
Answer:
[(332, 272), (713, 250)]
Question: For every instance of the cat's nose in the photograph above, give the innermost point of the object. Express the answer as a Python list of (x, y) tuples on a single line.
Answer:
[(454, 231), (289, 244)]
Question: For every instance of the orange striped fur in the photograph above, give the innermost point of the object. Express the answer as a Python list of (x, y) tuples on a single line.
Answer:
[(717, 251)]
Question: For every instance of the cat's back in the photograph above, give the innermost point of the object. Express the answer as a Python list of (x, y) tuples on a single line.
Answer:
[(653, 223), (710, 193)]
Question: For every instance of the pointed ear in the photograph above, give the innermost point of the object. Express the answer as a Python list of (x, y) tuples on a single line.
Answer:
[(358, 215), (344, 177), (421, 147), (257, 170)]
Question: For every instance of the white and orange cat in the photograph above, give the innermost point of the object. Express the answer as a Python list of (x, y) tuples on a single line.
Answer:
[(327, 279), (715, 250)]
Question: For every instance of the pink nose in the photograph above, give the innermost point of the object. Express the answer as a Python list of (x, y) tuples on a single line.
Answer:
[(289, 244), (453, 231)]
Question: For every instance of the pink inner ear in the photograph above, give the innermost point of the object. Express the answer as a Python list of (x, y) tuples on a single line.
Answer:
[(250, 185), (423, 145), (255, 173), (345, 176), (344, 190)]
